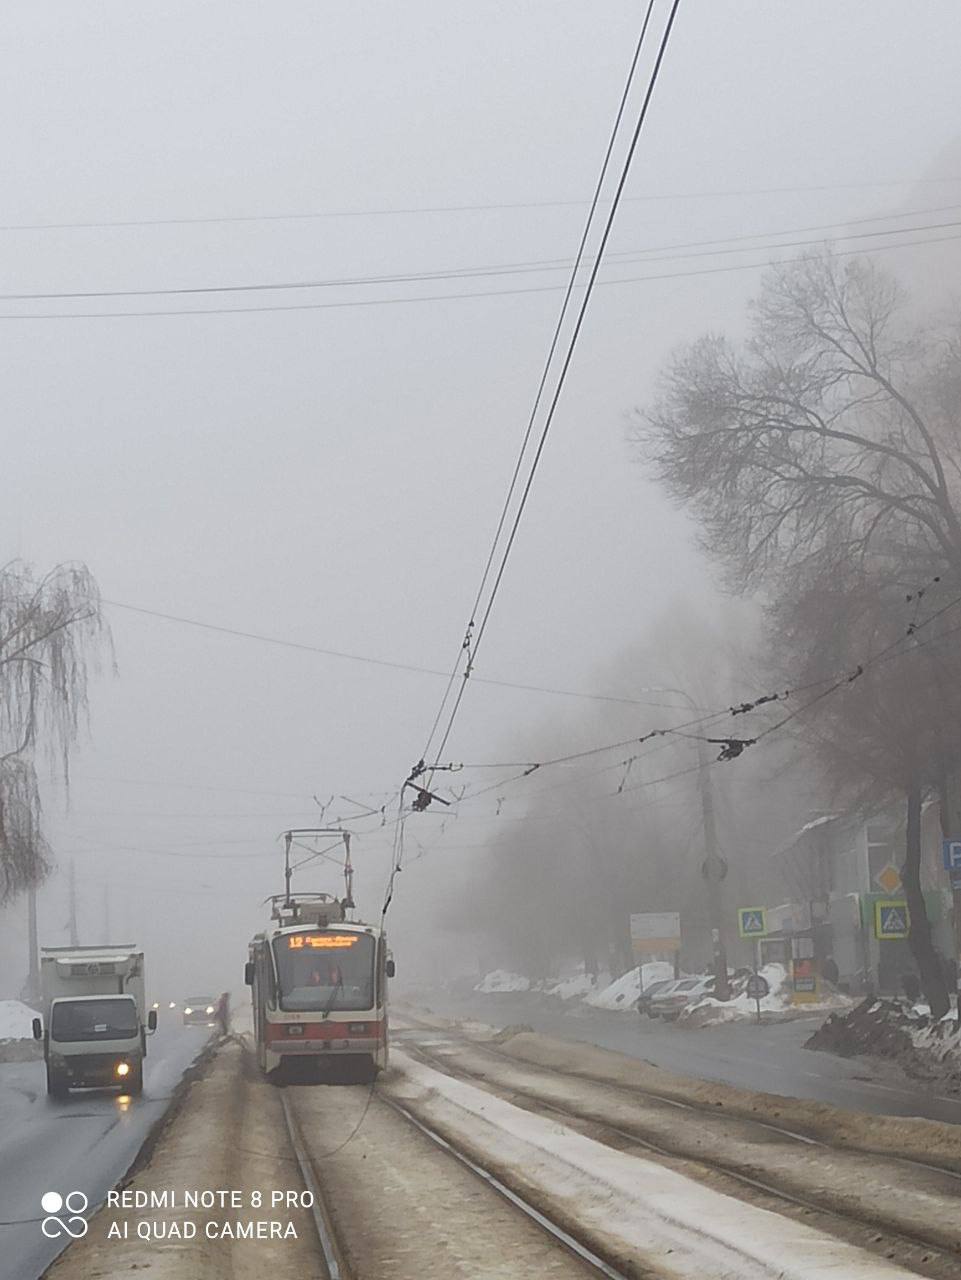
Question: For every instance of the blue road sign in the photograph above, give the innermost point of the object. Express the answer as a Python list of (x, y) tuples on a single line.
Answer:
[(891, 919), (951, 854), (751, 922)]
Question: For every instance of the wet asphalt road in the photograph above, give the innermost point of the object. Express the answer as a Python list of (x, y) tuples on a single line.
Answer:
[(769, 1058), (83, 1143)]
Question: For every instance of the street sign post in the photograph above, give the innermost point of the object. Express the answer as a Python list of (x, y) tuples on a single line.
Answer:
[(656, 931), (891, 919), (751, 922), (757, 988), (889, 878), (951, 858), (653, 933)]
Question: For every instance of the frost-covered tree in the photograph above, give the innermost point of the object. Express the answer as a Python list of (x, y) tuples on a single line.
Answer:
[(51, 633)]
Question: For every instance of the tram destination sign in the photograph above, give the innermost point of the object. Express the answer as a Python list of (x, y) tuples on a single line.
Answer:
[(655, 931)]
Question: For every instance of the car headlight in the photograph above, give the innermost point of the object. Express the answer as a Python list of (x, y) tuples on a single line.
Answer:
[(210, 1008), (188, 1010), (122, 1069)]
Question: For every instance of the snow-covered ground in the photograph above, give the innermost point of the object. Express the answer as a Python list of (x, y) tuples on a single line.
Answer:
[(941, 1039), (500, 980), (653, 1213), (600, 993), (623, 992), (778, 1001), (16, 1020)]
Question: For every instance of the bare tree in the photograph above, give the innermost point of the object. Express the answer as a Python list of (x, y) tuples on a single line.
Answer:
[(51, 629), (831, 425), (832, 441), (881, 739)]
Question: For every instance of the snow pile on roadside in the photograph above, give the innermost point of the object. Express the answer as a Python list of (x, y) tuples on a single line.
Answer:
[(501, 980), (777, 1003), (924, 1049), (623, 992), (16, 1020), (572, 987), (942, 1040)]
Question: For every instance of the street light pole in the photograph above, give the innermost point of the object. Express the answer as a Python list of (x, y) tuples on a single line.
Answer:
[(714, 868)]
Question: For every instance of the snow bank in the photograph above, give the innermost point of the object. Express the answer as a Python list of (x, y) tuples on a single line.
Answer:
[(15, 1020), (658, 1218), (572, 987), (623, 992), (501, 980), (778, 1001), (879, 1028)]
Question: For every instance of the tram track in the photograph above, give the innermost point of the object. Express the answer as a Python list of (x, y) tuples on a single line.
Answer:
[(331, 1252), (933, 1258), (553, 1229), (345, 1220), (705, 1109)]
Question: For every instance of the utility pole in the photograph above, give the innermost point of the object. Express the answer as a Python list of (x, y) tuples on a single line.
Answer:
[(72, 919), (713, 868), (32, 989)]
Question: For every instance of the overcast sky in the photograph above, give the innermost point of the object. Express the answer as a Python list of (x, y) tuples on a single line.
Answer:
[(333, 475)]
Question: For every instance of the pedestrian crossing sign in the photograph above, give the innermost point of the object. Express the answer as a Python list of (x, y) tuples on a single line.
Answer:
[(751, 922), (891, 919)]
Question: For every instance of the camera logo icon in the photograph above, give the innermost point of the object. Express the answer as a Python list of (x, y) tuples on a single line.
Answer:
[(55, 1206)]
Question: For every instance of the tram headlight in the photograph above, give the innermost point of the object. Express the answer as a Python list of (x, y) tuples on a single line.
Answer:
[(188, 1011), (123, 1069), (210, 1008)]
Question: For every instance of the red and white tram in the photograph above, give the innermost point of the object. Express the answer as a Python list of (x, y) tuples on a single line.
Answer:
[(319, 986)]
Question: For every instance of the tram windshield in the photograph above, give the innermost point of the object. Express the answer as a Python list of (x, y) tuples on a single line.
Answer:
[(324, 971)]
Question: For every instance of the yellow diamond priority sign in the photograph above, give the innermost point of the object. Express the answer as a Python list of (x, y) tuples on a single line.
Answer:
[(889, 878)]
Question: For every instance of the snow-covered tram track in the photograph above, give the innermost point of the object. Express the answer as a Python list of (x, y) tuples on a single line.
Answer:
[(707, 1109), (331, 1252), (887, 1238), (675, 1214), (553, 1229)]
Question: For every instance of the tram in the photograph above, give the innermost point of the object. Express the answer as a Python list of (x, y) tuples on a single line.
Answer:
[(319, 987)]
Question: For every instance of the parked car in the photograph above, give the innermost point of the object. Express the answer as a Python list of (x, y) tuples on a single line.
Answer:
[(647, 995), (668, 1004)]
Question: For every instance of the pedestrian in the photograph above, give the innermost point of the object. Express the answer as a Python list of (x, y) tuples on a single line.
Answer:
[(223, 1013)]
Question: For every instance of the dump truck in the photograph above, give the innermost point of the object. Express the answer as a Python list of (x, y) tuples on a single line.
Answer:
[(95, 1024)]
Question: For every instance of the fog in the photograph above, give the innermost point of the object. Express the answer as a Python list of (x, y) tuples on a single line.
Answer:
[(332, 477)]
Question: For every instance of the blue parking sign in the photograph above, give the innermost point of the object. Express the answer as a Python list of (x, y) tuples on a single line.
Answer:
[(951, 854)]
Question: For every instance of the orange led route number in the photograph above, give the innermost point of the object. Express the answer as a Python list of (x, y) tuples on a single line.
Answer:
[(297, 941)]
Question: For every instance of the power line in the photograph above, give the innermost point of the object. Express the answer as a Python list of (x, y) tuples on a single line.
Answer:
[(735, 244), (377, 662), (411, 210), (451, 297), (188, 786), (732, 747), (562, 376), (555, 338)]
